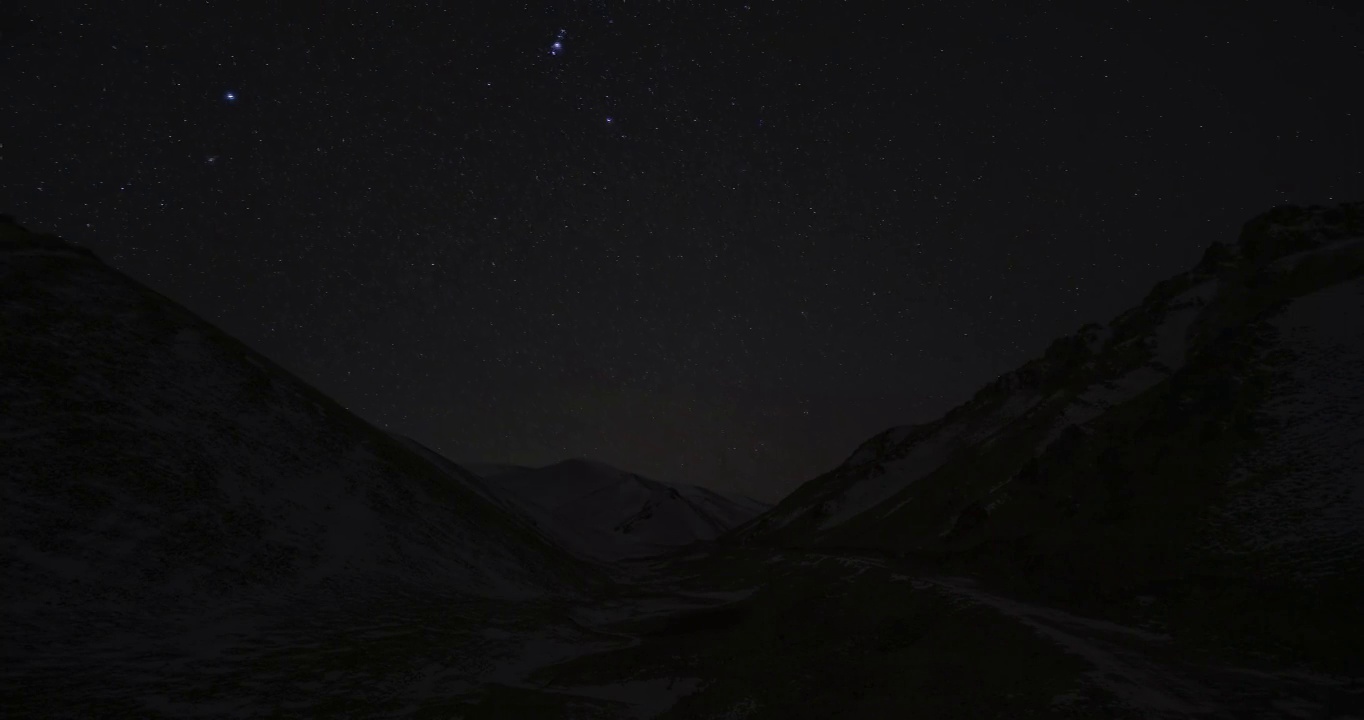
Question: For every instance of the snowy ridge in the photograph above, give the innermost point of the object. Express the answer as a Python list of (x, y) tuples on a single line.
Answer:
[(1167, 347), (896, 475), (1080, 378), (465, 476), (889, 464), (601, 513), (156, 469)]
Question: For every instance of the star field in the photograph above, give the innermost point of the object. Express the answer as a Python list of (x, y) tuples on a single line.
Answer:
[(716, 243)]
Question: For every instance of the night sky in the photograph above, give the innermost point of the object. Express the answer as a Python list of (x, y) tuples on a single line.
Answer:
[(716, 243)]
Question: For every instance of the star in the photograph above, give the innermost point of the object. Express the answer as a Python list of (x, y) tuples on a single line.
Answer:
[(230, 96)]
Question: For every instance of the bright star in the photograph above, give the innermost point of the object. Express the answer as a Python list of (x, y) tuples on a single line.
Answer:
[(230, 96)]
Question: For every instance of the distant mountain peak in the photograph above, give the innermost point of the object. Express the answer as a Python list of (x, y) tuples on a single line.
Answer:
[(601, 512)]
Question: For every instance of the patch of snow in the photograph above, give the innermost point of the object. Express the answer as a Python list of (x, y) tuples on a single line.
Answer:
[(741, 710), (869, 451), (1310, 510), (1168, 349), (1290, 262), (924, 458), (859, 565), (1172, 335), (996, 501), (646, 698), (786, 517), (921, 460), (1125, 665)]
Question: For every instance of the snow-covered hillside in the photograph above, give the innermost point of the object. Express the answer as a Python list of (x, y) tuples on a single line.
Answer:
[(599, 512), (155, 472), (1283, 295), (1309, 511), (1194, 465)]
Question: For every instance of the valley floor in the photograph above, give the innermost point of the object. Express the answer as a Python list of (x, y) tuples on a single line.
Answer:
[(738, 633)]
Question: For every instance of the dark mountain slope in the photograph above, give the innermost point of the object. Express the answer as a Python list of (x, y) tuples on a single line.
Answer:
[(1196, 463), (158, 477)]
